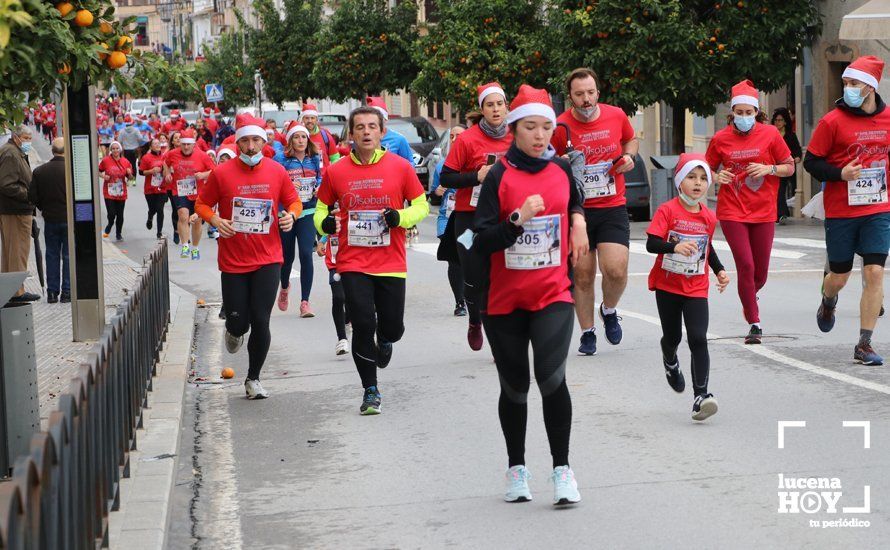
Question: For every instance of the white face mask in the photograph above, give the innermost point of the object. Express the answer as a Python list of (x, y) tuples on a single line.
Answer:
[(251, 160), (689, 201), (587, 112)]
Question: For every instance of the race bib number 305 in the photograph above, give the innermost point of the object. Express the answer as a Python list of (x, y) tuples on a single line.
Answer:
[(597, 180), (252, 215), (186, 187), (686, 265), (538, 247), (367, 228), (869, 188)]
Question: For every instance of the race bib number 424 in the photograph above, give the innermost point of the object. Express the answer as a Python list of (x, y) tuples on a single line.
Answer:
[(869, 188)]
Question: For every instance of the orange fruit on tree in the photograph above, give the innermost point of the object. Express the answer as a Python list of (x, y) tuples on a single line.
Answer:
[(64, 68), (721, 47), (103, 55), (125, 44), (116, 60), (228, 372), (64, 8), (105, 27), (83, 18)]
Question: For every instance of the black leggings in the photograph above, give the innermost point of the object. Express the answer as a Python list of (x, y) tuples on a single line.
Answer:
[(338, 305), (115, 215), (156, 204), (174, 216), (673, 309), (549, 331), (248, 299), (376, 305), (456, 280), (462, 222)]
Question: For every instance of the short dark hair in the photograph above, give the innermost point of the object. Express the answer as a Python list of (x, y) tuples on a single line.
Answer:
[(364, 110), (580, 74), (784, 113)]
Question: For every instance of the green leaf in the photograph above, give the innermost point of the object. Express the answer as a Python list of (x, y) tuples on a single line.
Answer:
[(4, 34)]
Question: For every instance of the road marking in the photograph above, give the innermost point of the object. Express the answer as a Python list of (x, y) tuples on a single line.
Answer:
[(775, 252), (805, 243)]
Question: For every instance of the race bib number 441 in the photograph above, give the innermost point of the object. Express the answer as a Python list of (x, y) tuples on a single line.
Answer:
[(252, 215), (538, 247), (869, 188), (367, 228)]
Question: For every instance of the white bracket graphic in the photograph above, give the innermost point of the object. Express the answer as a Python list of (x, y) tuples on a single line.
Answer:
[(782, 424), (866, 430)]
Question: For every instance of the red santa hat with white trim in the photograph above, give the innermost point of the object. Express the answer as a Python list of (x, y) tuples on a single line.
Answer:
[(744, 93), (486, 90), (174, 113), (309, 109), (225, 151), (293, 128), (378, 103), (187, 136), (867, 69), (248, 125), (687, 163), (531, 102)]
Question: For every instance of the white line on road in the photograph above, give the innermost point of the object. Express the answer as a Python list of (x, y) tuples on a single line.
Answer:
[(775, 253), (805, 243)]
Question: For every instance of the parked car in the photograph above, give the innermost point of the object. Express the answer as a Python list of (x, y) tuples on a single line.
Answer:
[(636, 190), (137, 105), (330, 118), (421, 136), (165, 107)]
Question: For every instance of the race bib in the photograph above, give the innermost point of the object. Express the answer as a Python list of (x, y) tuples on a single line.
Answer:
[(116, 188), (686, 265), (334, 243), (449, 204), (597, 180), (869, 188), (186, 187), (151, 180), (305, 188), (251, 215), (474, 199), (367, 228), (538, 247)]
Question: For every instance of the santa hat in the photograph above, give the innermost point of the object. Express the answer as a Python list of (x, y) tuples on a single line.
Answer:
[(113, 143), (174, 113), (293, 128), (206, 111), (487, 89), (229, 140), (867, 69), (378, 103), (309, 109), (211, 153), (248, 125), (187, 136), (746, 94), (225, 151), (530, 102), (688, 162), (128, 119)]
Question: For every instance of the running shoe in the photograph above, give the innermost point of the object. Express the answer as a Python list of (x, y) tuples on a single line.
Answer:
[(612, 327), (148, 223), (233, 343), (105, 234), (755, 335), (517, 484), (370, 402), (222, 313), (160, 235), (825, 317), (384, 354), (565, 488), (342, 347), (107, 231), (881, 314), (175, 237), (282, 299), (866, 355), (674, 375), (196, 255), (118, 238), (184, 251), (460, 309), (305, 310), (588, 342), (474, 336), (255, 390), (704, 406)]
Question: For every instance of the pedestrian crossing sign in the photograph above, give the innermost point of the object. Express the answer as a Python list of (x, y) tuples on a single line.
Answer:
[(213, 92)]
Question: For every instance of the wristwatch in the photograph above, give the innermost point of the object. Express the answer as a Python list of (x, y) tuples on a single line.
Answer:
[(772, 170), (514, 217)]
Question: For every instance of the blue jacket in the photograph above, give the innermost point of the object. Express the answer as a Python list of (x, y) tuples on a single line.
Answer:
[(442, 220), (291, 163), (395, 142)]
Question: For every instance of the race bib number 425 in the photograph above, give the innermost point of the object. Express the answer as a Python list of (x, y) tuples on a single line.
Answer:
[(252, 215), (367, 228), (869, 188), (538, 247)]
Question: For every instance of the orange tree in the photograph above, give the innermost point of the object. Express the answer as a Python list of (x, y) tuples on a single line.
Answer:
[(687, 53), (225, 64), (478, 41)]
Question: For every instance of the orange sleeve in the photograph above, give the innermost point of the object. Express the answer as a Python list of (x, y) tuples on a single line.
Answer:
[(203, 210), (295, 208)]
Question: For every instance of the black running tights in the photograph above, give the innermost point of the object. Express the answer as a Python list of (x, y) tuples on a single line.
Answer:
[(674, 309), (549, 331), (156, 202), (115, 211), (248, 299), (338, 305), (462, 222), (456, 280)]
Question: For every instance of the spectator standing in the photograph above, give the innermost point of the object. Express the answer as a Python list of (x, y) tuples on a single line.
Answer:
[(47, 193), (787, 186), (16, 211)]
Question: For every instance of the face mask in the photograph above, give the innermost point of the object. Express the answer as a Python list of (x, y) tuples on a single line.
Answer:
[(251, 160), (26, 147), (744, 123), (586, 112), (689, 200), (853, 96)]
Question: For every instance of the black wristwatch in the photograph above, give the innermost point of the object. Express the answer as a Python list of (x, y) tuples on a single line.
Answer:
[(514, 217)]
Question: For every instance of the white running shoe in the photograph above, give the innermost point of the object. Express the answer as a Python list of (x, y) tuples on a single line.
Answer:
[(255, 390), (565, 488), (233, 343), (517, 484), (342, 347)]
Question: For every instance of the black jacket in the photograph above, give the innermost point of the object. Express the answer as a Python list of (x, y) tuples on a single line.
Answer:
[(47, 190)]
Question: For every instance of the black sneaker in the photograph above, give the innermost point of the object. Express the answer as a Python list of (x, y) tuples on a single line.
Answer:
[(755, 335), (65, 297), (370, 402), (26, 297), (825, 317), (704, 406), (460, 309), (222, 313), (52, 297), (384, 354), (148, 223), (119, 238), (175, 237), (674, 375)]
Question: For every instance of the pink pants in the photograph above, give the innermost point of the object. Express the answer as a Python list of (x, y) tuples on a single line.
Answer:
[(751, 244)]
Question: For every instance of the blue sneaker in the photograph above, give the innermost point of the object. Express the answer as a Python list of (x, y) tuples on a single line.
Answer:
[(588, 342), (517, 484), (825, 317), (370, 402), (866, 355), (611, 326), (195, 254), (565, 488), (184, 251)]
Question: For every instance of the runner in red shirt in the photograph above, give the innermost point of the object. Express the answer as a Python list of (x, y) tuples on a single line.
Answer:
[(751, 157), (247, 192), (115, 170), (849, 152), (187, 170), (681, 233), (175, 124), (321, 137), (151, 172), (606, 138), (210, 121), (471, 156), (371, 187)]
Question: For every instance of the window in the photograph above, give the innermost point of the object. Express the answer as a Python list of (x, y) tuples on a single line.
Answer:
[(141, 31)]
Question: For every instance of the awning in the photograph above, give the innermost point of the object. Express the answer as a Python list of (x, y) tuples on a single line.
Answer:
[(870, 22)]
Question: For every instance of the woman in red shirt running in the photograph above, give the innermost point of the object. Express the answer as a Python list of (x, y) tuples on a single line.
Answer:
[(151, 170), (749, 157), (115, 171)]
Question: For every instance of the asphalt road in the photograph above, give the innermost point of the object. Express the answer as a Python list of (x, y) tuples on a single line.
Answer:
[(304, 470)]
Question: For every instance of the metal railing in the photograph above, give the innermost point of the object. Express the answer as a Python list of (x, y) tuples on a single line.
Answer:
[(61, 492)]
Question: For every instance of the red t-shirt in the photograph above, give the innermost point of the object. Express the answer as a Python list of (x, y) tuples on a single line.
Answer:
[(246, 252), (370, 187), (114, 184), (325, 150), (533, 289), (185, 168), (155, 125), (171, 126), (154, 183), (602, 142), (841, 137), (747, 199), (674, 223), (469, 153)]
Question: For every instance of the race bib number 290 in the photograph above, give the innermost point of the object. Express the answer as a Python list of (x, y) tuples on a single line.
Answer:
[(597, 180)]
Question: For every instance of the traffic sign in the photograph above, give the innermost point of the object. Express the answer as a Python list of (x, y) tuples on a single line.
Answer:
[(213, 92)]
